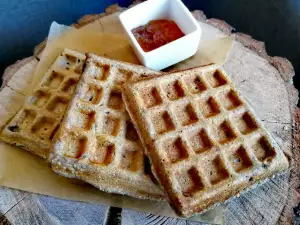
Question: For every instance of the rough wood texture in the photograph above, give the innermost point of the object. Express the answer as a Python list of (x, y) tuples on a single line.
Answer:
[(21, 67), (266, 82)]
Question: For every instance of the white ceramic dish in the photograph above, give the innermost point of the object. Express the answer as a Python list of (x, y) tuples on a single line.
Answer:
[(172, 52)]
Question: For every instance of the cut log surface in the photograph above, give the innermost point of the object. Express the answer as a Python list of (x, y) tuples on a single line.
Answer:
[(265, 82)]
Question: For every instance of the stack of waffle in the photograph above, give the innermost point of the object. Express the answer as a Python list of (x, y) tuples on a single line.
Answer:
[(204, 142)]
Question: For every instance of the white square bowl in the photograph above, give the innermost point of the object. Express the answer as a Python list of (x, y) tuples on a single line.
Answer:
[(172, 52)]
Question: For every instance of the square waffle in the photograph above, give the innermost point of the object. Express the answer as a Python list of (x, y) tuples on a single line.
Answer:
[(204, 141), (97, 142), (34, 126)]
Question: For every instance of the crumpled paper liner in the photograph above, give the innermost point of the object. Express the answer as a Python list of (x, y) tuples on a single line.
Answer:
[(21, 170)]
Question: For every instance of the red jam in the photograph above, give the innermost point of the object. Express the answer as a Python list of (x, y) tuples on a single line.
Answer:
[(157, 33)]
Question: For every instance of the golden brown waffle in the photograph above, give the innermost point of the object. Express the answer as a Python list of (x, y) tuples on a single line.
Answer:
[(203, 140), (97, 142), (34, 126)]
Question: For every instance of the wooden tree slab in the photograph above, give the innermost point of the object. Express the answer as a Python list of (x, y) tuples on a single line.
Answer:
[(266, 83)]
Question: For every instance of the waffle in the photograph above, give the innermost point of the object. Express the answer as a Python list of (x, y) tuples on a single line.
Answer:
[(204, 141), (97, 142), (34, 126)]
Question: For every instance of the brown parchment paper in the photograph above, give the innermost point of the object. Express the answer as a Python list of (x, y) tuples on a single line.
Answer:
[(21, 170)]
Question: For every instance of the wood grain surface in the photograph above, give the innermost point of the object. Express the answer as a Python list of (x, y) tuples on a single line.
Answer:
[(266, 82)]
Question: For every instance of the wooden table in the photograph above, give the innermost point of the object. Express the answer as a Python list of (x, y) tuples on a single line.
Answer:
[(271, 203)]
